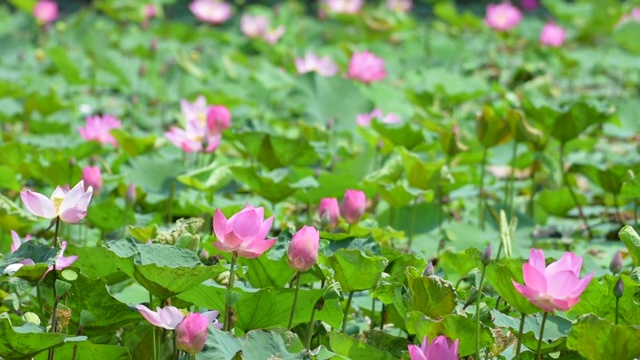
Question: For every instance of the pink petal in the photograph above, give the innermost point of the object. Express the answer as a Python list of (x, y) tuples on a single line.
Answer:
[(416, 353), (527, 292), (73, 215), (170, 317), (561, 284), (533, 278), (246, 223), (38, 204), (264, 229), (566, 262), (65, 261), (439, 349), (536, 259), (256, 248), (151, 316), (15, 241), (220, 224), (581, 286), (563, 305)]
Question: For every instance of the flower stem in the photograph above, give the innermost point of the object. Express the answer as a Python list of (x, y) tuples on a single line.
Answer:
[(228, 311), (617, 308), (544, 320), (565, 179), (308, 335), (295, 299), (509, 189), (346, 313), (483, 166), (55, 277), (520, 330), (484, 268)]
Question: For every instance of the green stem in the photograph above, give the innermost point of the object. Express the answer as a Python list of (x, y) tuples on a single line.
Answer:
[(635, 213), (346, 313), (373, 312), (228, 310), (483, 166), (412, 223), (383, 315), (617, 209), (484, 268), (307, 338), (509, 189), (565, 179), (532, 195), (544, 320), (295, 299), (617, 307), (155, 344), (520, 330), (55, 295)]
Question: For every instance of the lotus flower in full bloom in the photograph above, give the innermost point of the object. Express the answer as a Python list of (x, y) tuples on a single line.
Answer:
[(195, 111), (502, 17), (70, 206), (440, 349), (46, 11), (191, 333), (98, 127), (312, 62), (329, 211), (554, 287), (353, 206), (552, 35), (196, 137), (243, 233), (211, 11), (303, 249), (366, 67)]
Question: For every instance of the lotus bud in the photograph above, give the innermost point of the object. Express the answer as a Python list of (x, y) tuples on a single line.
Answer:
[(616, 263)]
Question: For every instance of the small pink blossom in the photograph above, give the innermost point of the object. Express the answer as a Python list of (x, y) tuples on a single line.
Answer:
[(529, 5), (552, 35), (554, 287), (440, 349), (366, 67), (149, 11), (303, 249), (16, 242), (70, 206), (195, 111), (344, 6), (46, 11), (191, 333), (168, 317), (253, 26), (131, 194), (195, 137), (365, 119), (98, 127), (218, 119), (353, 206), (311, 62), (92, 177), (211, 11), (244, 233), (272, 36), (399, 5), (329, 212), (503, 16)]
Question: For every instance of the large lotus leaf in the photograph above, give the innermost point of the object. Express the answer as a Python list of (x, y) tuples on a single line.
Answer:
[(452, 326), (25, 341), (631, 240), (431, 295), (164, 270), (500, 276), (209, 178), (92, 295), (104, 268), (598, 339), (264, 308), (355, 270), (598, 298), (405, 134), (255, 345), (559, 201), (345, 345), (88, 351), (555, 329), (274, 186), (12, 217), (41, 254), (575, 120)]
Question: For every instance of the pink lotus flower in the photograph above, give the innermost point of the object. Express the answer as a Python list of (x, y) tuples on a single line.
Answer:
[(366, 67), (554, 287), (131, 194), (552, 35), (253, 26), (440, 349), (365, 119), (244, 233), (92, 177), (329, 212), (16, 242), (46, 11), (272, 36), (195, 111), (70, 207), (303, 249), (62, 261), (399, 5), (168, 317), (196, 137), (149, 11), (211, 11), (311, 62), (529, 5), (353, 206), (344, 6), (98, 127), (191, 334), (218, 119), (502, 17)]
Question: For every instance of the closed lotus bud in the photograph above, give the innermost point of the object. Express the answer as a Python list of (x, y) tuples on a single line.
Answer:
[(487, 254), (428, 271), (618, 289), (218, 119), (353, 206), (329, 212), (130, 195), (303, 250), (616, 263), (191, 333), (92, 177)]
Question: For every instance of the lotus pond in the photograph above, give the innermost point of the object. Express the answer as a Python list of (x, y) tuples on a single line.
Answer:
[(340, 179)]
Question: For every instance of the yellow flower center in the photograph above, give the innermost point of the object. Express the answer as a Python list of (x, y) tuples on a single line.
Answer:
[(56, 204)]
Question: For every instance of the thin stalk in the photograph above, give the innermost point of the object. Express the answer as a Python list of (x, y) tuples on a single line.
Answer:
[(295, 299), (532, 194), (617, 307), (510, 188), (412, 224), (373, 312), (308, 335), (55, 295), (635, 213), (383, 314), (172, 193), (617, 209), (228, 310), (53, 322), (484, 269), (565, 179), (544, 320), (346, 313), (483, 166), (155, 345), (520, 330)]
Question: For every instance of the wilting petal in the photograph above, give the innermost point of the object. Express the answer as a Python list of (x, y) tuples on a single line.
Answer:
[(38, 204)]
